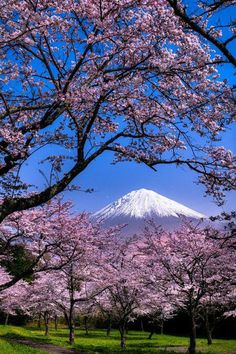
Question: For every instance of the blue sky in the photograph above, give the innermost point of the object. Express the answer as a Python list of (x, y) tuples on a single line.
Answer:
[(112, 181)]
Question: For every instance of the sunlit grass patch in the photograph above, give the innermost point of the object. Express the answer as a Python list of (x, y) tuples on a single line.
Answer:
[(97, 341)]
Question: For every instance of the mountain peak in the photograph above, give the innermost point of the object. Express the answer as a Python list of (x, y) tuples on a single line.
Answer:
[(144, 204)]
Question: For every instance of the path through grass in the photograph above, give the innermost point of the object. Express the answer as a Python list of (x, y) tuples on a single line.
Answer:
[(10, 347)]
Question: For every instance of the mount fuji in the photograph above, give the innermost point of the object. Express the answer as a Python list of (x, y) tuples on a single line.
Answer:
[(137, 206)]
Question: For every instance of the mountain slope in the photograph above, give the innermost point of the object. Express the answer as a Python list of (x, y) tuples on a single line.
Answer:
[(136, 206)]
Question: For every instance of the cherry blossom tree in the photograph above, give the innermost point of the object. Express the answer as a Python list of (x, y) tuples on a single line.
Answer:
[(123, 295), (39, 231), (220, 301), (83, 253), (53, 235), (87, 312), (12, 299), (228, 221), (187, 266), (69, 253), (156, 305), (40, 299), (210, 20), (72, 285), (231, 297), (213, 308), (82, 78), (158, 311)]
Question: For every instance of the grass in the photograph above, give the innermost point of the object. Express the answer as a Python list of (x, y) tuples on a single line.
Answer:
[(8, 347), (97, 342)]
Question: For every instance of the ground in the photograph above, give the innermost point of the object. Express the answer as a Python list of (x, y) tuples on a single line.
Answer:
[(32, 341)]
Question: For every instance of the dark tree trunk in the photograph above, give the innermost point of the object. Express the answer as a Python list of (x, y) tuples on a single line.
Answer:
[(109, 327), (56, 322), (39, 321), (122, 329), (162, 327), (192, 337), (141, 324), (209, 330), (66, 318), (72, 333), (151, 334), (86, 325), (209, 337), (46, 323), (6, 319), (71, 325), (71, 321)]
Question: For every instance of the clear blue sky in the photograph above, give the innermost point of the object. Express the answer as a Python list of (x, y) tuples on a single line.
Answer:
[(112, 181)]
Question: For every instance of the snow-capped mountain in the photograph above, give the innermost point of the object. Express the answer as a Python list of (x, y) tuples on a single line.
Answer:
[(143, 204)]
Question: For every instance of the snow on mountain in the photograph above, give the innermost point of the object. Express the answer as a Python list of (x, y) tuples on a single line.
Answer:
[(145, 203), (136, 206)]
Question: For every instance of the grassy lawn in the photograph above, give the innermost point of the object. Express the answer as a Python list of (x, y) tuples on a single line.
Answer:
[(97, 342), (7, 347)]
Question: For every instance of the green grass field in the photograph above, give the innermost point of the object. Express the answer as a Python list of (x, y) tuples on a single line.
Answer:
[(97, 342), (7, 347)]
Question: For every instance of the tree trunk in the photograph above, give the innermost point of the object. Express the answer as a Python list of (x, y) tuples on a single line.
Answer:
[(109, 327), (6, 319), (39, 321), (122, 330), (56, 322), (71, 325), (71, 321), (208, 329), (151, 334), (162, 327), (72, 333), (46, 323), (86, 325), (192, 342), (141, 324), (209, 337), (66, 318)]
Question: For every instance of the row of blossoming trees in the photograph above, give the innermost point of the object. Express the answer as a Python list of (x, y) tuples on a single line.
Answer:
[(81, 268)]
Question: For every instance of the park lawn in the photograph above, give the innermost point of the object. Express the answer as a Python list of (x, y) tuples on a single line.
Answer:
[(98, 342), (9, 347)]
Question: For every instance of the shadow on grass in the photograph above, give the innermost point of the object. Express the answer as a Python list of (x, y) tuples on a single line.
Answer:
[(132, 347), (157, 346), (17, 337), (143, 348), (128, 350), (42, 344)]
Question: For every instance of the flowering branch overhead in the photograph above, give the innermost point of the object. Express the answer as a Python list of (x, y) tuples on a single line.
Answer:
[(93, 76)]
